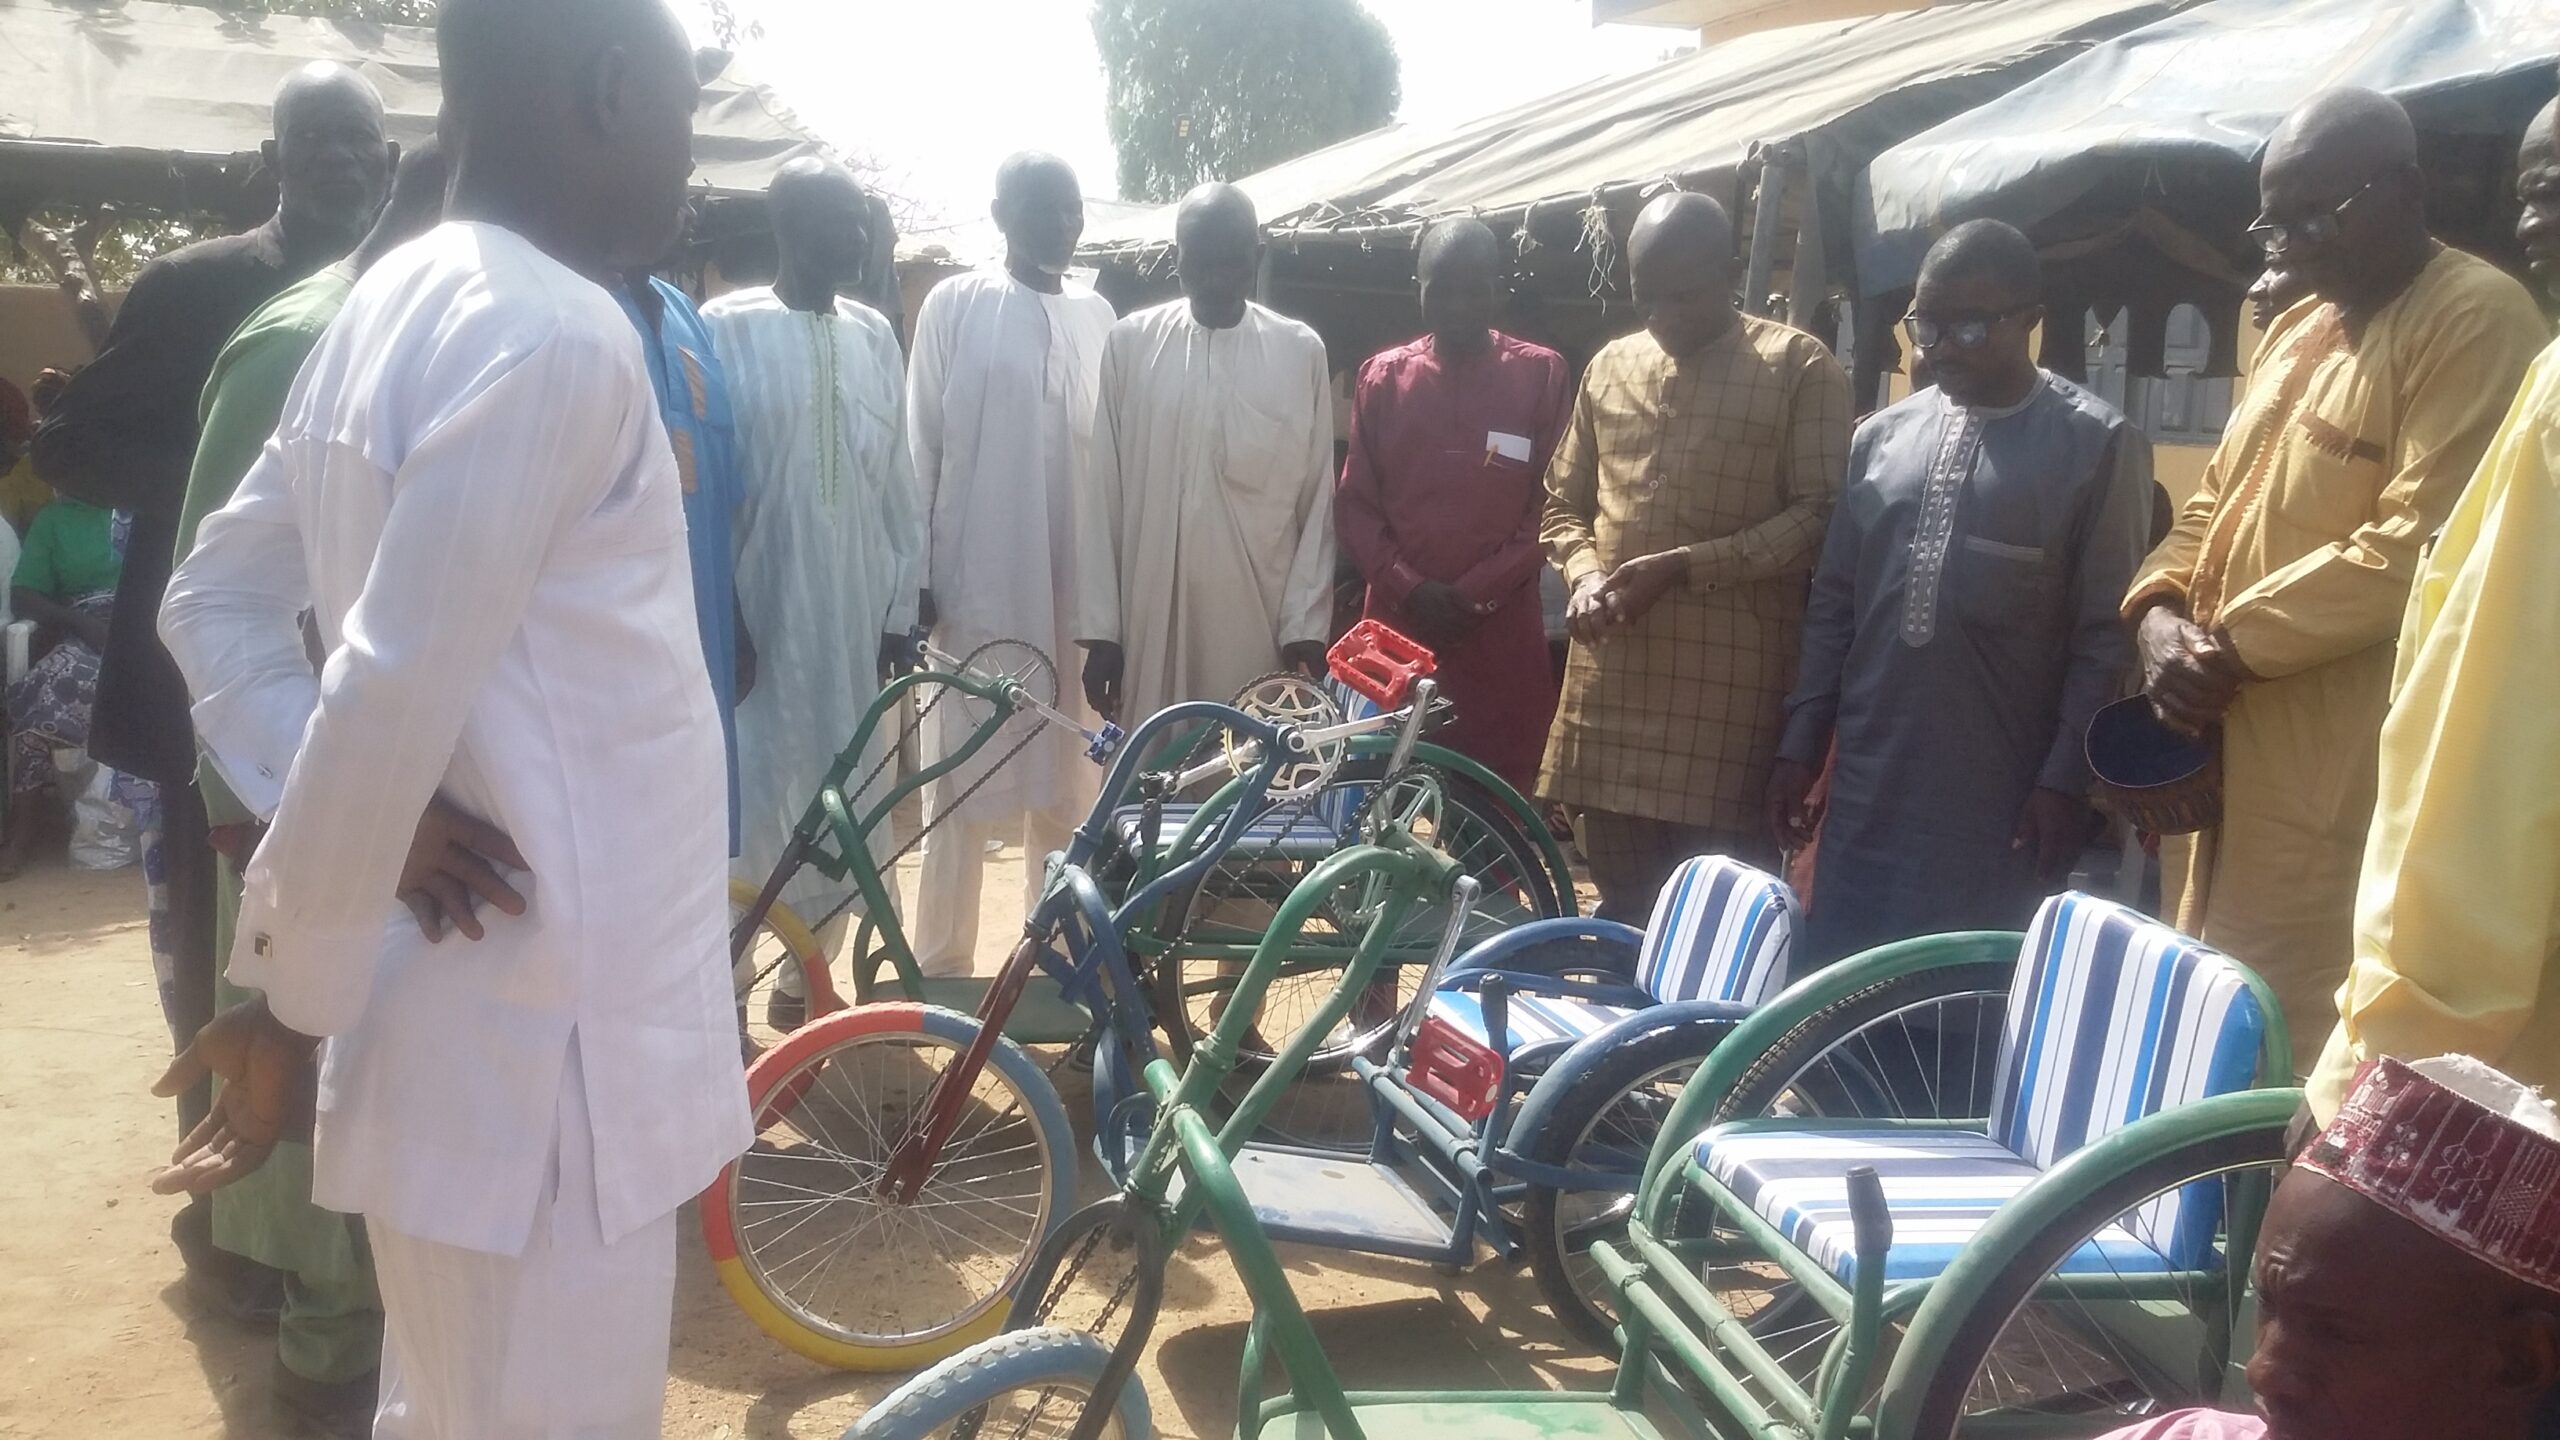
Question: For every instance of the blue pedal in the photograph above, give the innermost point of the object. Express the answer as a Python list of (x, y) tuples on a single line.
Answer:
[(1105, 745)]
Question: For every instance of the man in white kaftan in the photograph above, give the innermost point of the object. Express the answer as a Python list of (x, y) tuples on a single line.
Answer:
[(471, 493), (1205, 537), (1000, 417), (829, 535)]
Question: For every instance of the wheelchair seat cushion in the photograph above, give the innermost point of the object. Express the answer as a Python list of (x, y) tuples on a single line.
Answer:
[(1720, 931), (1287, 832), (1528, 1019), (1941, 1186)]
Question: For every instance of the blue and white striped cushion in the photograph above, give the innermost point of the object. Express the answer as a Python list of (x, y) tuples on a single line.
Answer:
[(1527, 1019), (1941, 1187), (2113, 1017), (1294, 832), (1720, 931)]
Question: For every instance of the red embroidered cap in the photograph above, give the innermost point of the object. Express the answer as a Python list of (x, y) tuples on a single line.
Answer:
[(2458, 1149)]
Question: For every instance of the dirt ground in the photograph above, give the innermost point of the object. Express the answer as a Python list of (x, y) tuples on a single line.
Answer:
[(98, 1338)]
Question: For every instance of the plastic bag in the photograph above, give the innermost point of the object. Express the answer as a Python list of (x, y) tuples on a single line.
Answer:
[(105, 835)]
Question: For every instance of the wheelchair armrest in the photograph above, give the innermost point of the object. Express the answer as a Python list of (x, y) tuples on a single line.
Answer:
[(1548, 947), (21, 639)]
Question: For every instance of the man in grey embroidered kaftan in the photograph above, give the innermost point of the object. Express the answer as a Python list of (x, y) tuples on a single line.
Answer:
[(1963, 625)]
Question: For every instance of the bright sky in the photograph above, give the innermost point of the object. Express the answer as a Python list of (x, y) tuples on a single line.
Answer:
[(933, 95)]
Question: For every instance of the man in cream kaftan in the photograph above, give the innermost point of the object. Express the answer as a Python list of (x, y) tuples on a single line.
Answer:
[(1207, 531), (1205, 537), (1000, 417), (828, 546)]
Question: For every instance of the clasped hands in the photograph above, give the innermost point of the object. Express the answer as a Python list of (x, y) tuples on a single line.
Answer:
[(2191, 674), (1104, 660), (266, 1067), (1605, 601)]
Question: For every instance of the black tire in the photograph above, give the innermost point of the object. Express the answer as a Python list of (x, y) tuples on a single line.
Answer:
[(1606, 1106), (1834, 1063), (1514, 866), (1942, 1406)]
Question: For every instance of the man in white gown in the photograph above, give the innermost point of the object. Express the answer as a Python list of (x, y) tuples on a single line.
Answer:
[(830, 536), (1205, 536), (1000, 417), (472, 495)]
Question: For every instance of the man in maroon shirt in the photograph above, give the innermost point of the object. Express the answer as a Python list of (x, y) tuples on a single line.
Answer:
[(1440, 501)]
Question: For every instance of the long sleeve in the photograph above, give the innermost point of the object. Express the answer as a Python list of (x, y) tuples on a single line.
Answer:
[(928, 370), (1360, 502), (1491, 580), (242, 402), (2458, 913), (476, 506), (1830, 627), (2110, 547), (232, 621), (1817, 455), (1573, 497), (123, 431), (2348, 595), (1306, 606), (1097, 615), (902, 512)]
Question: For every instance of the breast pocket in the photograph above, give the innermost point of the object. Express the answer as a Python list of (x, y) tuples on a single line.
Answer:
[(2336, 481), (2000, 587)]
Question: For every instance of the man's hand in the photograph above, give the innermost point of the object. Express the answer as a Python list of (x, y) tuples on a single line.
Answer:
[(1102, 661), (1790, 810), (452, 868), (1635, 586), (2191, 676), (268, 1083), (91, 629), (1440, 614), (1585, 617), (1304, 656), (2053, 827), (899, 654)]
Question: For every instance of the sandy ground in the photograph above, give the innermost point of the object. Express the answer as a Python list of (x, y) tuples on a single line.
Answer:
[(98, 1338)]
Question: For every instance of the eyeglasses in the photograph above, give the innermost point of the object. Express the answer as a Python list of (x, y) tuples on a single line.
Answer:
[(2320, 229), (1928, 332)]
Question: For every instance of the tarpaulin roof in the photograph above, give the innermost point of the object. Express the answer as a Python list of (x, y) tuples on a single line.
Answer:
[(2160, 129), (165, 104), (1859, 84)]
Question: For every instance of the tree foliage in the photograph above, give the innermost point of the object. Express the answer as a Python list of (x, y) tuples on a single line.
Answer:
[(1215, 89)]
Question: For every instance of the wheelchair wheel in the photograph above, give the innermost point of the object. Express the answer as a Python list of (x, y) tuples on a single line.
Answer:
[(774, 976), (1021, 1383), (819, 1259), (1917, 1046), (2108, 1348), (1607, 1121), (1921, 1046)]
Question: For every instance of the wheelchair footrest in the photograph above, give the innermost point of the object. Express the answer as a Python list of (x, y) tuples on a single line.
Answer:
[(1454, 1068)]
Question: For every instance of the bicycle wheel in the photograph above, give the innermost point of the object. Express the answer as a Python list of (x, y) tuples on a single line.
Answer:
[(1015, 1386), (818, 1258), (1606, 1122), (2119, 1343), (774, 977)]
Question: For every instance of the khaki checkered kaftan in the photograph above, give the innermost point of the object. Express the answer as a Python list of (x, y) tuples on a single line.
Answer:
[(1736, 454)]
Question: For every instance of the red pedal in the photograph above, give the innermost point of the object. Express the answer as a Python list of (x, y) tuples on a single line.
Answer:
[(1379, 662), (1454, 1068)]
